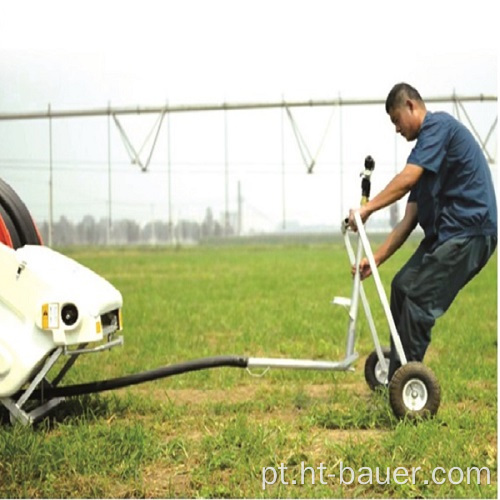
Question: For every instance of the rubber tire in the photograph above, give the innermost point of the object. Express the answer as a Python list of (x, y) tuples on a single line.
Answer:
[(421, 375), (19, 215), (370, 367), (8, 231)]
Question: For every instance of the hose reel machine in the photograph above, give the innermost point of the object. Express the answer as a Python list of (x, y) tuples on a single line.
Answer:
[(52, 308)]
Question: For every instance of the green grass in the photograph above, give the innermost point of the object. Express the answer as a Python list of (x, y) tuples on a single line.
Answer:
[(210, 433)]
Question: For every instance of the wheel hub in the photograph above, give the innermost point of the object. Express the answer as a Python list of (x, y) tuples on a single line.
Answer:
[(415, 394), (381, 373)]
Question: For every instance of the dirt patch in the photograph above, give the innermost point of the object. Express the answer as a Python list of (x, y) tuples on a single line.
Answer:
[(323, 437), (487, 385), (167, 482), (243, 393)]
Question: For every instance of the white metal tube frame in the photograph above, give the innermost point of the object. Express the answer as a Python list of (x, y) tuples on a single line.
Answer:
[(363, 247), (28, 417), (364, 243)]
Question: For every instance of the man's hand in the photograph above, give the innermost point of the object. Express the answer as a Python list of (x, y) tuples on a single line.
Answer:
[(364, 214), (365, 269)]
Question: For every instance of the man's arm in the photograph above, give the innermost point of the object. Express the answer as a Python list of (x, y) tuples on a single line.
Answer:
[(395, 190), (395, 239)]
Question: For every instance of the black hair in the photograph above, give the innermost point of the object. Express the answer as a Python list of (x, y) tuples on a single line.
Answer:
[(399, 93)]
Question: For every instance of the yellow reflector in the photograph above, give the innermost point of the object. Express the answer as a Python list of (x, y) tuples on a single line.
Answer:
[(50, 316), (45, 316), (120, 320), (98, 328)]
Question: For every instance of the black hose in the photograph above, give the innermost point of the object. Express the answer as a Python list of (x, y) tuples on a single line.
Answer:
[(138, 378)]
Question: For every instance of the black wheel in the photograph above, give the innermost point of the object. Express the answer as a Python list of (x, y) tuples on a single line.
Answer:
[(376, 375), (414, 391), (19, 217), (8, 232)]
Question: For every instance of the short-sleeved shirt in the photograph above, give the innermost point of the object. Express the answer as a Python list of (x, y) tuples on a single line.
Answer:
[(455, 195)]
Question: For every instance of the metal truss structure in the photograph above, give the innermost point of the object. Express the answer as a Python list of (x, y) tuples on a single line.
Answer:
[(138, 158)]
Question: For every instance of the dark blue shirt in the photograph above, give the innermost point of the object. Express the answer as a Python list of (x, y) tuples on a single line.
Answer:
[(455, 195)]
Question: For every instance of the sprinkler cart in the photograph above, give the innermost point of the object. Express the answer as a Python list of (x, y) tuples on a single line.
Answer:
[(53, 308)]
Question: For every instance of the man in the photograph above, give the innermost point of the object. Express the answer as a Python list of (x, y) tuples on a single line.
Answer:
[(453, 199)]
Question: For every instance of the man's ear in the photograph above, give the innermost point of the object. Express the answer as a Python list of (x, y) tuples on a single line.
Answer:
[(410, 104)]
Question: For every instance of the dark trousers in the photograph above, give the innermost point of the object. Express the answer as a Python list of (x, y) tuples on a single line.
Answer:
[(425, 287)]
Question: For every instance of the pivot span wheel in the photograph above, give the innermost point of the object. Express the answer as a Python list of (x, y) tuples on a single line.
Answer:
[(414, 391)]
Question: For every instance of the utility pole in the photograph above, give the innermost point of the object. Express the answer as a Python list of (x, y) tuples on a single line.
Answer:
[(226, 179), (51, 183), (283, 185), (240, 210), (109, 177), (169, 167)]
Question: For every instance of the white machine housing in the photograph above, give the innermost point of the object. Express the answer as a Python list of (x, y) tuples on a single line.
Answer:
[(49, 301)]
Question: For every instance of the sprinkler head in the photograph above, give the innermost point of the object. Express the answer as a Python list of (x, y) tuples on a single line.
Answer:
[(369, 163)]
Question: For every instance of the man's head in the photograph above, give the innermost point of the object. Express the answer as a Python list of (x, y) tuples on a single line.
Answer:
[(406, 109)]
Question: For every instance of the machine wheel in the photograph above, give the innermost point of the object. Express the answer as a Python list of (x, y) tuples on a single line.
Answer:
[(375, 375), (8, 232), (414, 391), (18, 217)]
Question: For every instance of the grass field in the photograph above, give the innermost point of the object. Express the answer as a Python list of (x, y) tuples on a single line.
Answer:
[(211, 433)]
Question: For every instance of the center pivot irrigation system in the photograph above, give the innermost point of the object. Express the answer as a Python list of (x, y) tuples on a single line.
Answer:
[(52, 307)]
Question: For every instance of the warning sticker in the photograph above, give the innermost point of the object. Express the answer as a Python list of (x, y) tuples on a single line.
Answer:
[(50, 316)]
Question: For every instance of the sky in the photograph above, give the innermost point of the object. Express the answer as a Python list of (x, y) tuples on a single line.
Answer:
[(91, 54)]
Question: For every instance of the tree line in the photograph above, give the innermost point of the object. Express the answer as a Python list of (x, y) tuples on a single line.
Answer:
[(90, 231)]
